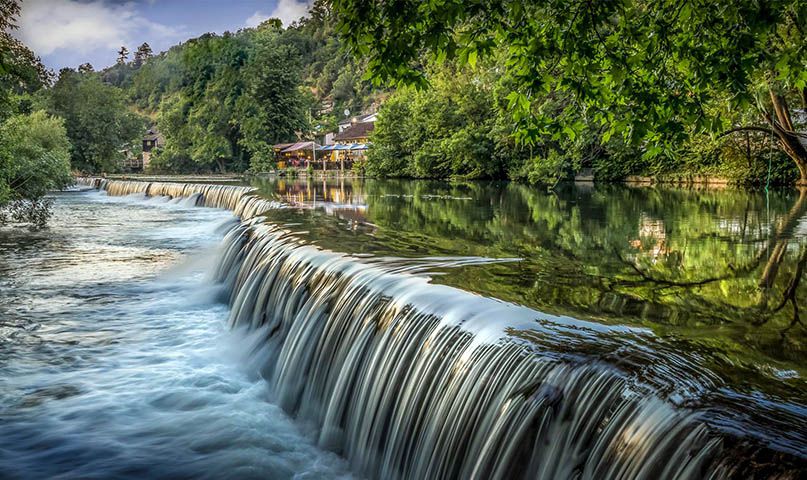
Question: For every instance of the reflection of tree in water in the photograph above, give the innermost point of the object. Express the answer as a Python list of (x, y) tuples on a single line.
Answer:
[(780, 241), (775, 252), (686, 263)]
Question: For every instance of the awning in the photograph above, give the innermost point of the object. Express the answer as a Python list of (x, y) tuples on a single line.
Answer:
[(326, 148), (359, 146), (300, 146)]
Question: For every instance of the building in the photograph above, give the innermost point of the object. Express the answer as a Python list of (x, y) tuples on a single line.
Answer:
[(350, 144), (358, 132), (367, 118), (294, 155), (151, 140)]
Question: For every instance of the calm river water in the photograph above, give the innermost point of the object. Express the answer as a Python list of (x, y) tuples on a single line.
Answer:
[(117, 358)]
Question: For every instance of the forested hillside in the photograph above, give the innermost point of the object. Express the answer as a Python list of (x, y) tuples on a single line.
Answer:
[(222, 101)]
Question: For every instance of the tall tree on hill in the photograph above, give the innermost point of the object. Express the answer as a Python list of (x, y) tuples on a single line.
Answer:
[(85, 68), (649, 71), (142, 54), (199, 120), (123, 55)]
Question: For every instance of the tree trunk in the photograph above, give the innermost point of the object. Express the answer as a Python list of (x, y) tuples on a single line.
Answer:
[(220, 163), (790, 140)]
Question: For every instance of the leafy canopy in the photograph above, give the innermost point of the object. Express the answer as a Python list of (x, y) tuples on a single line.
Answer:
[(34, 158), (96, 117), (644, 69)]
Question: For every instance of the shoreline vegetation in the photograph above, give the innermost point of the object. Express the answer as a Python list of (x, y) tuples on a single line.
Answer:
[(672, 181), (662, 91)]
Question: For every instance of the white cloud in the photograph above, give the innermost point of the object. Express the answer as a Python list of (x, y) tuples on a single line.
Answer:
[(256, 19), (287, 11), (49, 26)]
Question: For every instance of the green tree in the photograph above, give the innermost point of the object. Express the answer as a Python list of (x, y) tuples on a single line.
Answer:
[(454, 129), (272, 109), (34, 149), (647, 71), (142, 55), (98, 122), (34, 158), (21, 71), (199, 119)]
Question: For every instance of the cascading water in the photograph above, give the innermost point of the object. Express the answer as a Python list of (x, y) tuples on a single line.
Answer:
[(408, 379)]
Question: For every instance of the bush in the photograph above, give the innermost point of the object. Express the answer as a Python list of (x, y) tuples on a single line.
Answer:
[(34, 158)]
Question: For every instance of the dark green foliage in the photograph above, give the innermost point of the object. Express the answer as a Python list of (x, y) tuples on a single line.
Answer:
[(272, 108), (34, 158), (655, 74), (98, 122), (34, 150), (453, 129)]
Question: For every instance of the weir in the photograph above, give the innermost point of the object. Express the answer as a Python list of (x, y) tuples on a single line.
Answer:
[(408, 379)]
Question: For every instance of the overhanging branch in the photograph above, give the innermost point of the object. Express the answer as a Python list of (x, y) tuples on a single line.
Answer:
[(752, 128)]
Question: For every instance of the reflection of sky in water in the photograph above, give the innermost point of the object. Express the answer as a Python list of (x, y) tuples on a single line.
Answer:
[(116, 361)]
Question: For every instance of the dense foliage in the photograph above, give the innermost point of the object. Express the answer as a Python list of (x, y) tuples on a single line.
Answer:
[(222, 101), (34, 158), (34, 150), (453, 129), (656, 74), (98, 123)]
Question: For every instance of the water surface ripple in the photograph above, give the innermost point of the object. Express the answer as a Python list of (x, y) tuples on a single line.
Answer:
[(115, 356)]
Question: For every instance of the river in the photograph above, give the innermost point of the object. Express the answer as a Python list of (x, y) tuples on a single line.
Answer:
[(403, 329)]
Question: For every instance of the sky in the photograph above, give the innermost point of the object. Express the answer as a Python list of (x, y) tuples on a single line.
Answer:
[(67, 33)]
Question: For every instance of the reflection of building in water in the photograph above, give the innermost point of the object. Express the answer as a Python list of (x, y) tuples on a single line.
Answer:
[(652, 237), (340, 193), (338, 198)]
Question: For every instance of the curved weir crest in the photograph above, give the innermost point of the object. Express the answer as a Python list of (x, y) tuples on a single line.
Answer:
[(408, 379)]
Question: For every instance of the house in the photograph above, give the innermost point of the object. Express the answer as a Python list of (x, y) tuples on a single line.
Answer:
[(367, 118), (151, 140), (356, 133), (294, 154), (349, 144)]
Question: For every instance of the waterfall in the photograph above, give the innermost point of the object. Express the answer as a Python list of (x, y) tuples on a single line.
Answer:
[(412, 380), (409, 379), (239, 199)]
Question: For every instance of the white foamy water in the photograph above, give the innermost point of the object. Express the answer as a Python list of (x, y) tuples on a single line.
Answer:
[(116, 359)]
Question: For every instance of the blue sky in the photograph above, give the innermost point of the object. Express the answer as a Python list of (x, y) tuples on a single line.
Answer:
[(67, 33)]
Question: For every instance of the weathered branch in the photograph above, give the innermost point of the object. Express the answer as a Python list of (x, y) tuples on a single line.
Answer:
[(747, 128)]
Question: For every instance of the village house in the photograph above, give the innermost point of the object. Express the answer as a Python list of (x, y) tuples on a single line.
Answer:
[(151, 140), (341, 148)]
